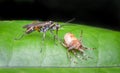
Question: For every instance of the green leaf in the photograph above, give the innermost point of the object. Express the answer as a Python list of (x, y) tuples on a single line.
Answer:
[(31, 51), (60, 70)]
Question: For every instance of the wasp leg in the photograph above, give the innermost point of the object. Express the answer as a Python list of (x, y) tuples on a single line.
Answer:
[(19, 37), (44, 34), (56, 36), (43, 39), (51, 31)]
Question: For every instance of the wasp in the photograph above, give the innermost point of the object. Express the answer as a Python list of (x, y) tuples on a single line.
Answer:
[(73, 45), (41, 27)]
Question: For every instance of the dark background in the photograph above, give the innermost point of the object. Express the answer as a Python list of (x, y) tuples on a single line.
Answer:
[(100, 13)]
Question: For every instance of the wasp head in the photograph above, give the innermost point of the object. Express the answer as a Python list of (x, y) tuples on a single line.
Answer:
[(55, 26)]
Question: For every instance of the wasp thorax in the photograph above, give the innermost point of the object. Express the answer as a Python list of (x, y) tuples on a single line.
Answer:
[(49, 22)]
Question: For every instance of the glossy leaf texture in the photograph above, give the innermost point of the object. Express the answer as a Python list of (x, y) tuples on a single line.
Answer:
[(32, 51)]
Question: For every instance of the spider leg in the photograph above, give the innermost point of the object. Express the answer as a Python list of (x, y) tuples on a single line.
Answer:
[(64, 44), (68, 55), (85, 56), (75, 54), (68, 52), (72, 49)]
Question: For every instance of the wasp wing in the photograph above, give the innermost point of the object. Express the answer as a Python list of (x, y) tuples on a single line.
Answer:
[(34, 23)]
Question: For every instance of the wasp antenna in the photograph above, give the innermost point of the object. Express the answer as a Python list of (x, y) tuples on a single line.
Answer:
[(20, 37), (67, 22), (70, 20)]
